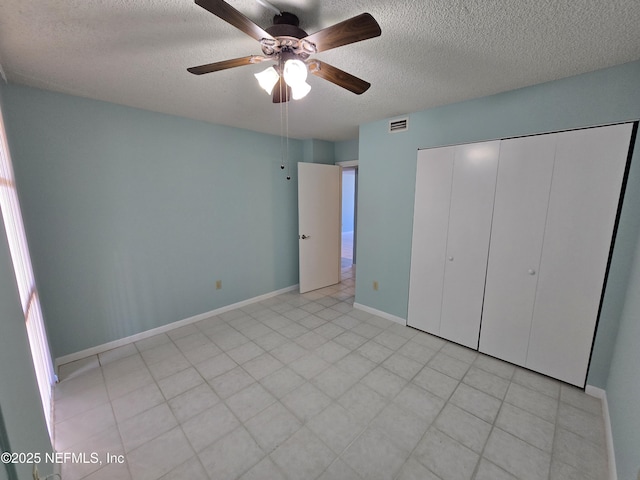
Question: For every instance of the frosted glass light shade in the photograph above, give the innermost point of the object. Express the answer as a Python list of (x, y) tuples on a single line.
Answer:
[(300, 90), (268, 79), (295, 72)]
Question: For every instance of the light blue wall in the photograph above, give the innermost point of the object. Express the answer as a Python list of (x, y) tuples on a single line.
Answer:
[(386, 185), (318, 151), (346, 150), (623, 387), (4, 472), (19, 395), (132, 216)]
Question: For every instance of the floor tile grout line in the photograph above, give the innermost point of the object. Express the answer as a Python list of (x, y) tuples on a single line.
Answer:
[(238, 327), (410, 380), (432, 424), (389, 401), (116, 422)]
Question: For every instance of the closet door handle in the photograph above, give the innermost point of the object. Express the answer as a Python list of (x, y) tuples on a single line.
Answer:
[(531, 271), (451, 259)]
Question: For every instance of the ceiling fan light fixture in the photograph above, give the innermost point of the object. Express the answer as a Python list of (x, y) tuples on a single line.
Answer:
[(294, 72), (267, 79), (300, 90)]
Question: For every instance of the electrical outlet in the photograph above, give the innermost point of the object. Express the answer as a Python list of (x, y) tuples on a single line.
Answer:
[(218, 284), (375, 285), (36, 475)]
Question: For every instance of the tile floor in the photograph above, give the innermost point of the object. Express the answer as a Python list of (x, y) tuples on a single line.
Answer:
[(304, 387)]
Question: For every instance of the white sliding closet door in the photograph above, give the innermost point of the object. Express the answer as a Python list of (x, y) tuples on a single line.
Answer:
[(520, 210), (452, 224), (470, 212), (434, 175), (583, 203)]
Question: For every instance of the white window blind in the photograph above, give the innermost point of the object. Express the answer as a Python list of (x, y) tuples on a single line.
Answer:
[(24, 275)]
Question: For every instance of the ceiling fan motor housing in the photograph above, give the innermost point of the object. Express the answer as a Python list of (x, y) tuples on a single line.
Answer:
[(286, 25), (286, 18)]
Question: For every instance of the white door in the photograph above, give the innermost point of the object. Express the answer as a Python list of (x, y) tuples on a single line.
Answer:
[(319, 219), (519, 215), (430, 224), (470, 212), (583, 204)]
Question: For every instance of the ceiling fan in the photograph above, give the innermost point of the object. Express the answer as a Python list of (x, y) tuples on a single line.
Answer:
[(290, 47)]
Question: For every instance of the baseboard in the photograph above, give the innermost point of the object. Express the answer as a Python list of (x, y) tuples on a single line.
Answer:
[(380, 313), (72, 357), (602, 395)]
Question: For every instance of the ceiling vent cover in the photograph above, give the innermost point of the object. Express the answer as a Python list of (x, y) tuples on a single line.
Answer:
[(399, 125)]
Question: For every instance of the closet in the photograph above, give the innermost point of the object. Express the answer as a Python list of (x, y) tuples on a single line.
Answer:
[(511, 246), (451, 229)]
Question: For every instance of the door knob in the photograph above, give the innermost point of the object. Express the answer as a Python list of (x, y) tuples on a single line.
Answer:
[(451, 259), (531, 271), (304, 237)]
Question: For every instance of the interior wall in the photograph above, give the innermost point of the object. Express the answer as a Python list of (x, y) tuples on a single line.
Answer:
[(19, 395), (318, 151), (132, 216), (623, 386), (4, 472), (346, 150), (387, 165)]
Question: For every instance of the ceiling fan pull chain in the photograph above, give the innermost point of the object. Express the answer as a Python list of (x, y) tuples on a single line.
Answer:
[(287, 117), (281, 129)]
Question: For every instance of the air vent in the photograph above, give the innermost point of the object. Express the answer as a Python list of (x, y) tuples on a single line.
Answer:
[(399, 125)]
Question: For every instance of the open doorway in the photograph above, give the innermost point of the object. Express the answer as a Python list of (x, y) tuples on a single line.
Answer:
[(349, 216)]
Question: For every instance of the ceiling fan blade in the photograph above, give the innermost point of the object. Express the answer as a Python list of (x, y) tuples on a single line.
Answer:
[(355, 29), (236, 62), (281, 92), (230, 15), (339, 77)]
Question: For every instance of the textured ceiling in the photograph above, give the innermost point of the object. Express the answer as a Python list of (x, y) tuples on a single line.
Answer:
[(431, 52)]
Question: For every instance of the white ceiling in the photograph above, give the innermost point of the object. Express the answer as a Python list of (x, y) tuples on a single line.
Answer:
[(431, 52)]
